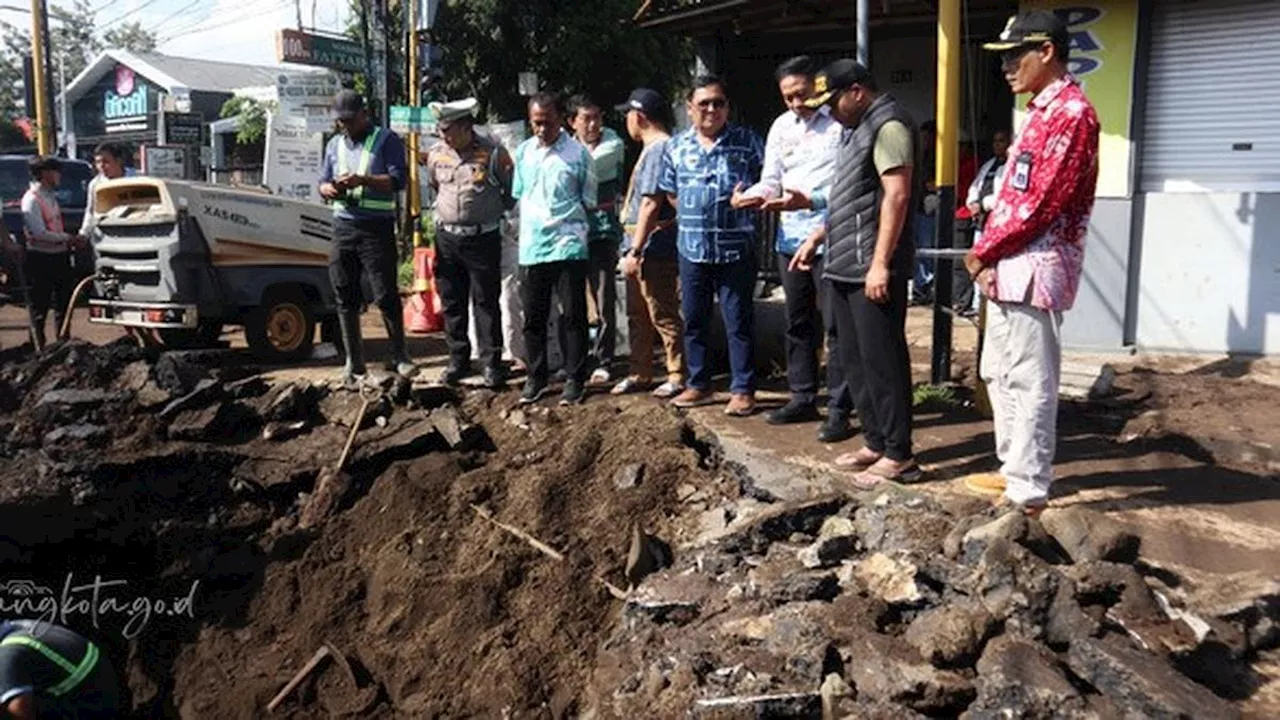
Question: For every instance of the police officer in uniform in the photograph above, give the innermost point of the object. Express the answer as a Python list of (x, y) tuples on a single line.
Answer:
[(471, 176), (364, 168), (48, 671)]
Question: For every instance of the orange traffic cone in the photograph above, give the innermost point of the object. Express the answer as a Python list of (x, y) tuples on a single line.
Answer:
[(423, 313)]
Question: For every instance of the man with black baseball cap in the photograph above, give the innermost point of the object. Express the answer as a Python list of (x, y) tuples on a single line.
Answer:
[(364, 168), (649, 253), (868, 261), (1030, 257)]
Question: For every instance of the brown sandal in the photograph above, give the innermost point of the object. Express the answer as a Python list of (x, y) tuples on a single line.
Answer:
[(859, 459), (874, 475)]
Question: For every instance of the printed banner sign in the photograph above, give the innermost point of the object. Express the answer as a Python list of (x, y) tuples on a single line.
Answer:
[(294, 155)]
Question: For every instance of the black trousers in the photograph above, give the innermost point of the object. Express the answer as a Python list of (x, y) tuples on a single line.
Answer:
[(602, 273), (566, 282), (873, 350), (51, 281), (366, 246), (809, 318), (468, 271)]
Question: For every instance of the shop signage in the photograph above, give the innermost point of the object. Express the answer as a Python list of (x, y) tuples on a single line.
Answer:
[(308, 97), (295, 46), (1103, 41), (164, 162), (181, 128), (125, 106)]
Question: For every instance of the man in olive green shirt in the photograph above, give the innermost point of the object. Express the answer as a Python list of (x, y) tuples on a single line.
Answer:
[(868, 262)]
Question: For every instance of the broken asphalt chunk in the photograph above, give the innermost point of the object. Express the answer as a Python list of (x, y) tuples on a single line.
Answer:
[(1142, 684), (1020, 679), (780, 523), (1089, 535)]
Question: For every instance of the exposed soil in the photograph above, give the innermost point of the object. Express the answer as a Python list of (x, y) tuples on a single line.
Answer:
[(158, 470), (1232, 419)]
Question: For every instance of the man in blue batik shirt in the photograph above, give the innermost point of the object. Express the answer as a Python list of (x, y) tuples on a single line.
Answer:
[(701, 170)]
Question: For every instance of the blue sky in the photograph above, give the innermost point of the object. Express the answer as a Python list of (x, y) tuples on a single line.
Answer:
[(230, 30)]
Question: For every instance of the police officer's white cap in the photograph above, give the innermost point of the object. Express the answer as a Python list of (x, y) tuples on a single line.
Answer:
[(447, 112)]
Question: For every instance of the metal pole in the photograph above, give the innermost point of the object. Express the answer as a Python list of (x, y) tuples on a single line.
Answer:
[(62, 105), (44, 134), (945, 177), (864, 33), (415, 99)]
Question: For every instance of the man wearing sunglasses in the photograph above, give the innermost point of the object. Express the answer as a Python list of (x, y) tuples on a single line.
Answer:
[(1029, 259), (701, 169)]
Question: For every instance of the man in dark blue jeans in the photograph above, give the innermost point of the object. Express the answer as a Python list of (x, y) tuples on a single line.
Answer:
[(701, 169)]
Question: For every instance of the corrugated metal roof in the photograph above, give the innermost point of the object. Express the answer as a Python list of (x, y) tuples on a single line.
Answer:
[(179, 74), (209, 75)]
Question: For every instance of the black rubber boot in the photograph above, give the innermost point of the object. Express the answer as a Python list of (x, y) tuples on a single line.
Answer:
[(353, 370), (399, 361)]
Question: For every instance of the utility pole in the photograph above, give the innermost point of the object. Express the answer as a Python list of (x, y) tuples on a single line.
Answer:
[(948, 100), (39, 75), (415, 99)]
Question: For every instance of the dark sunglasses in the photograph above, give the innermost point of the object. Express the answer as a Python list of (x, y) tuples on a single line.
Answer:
[(712, 104), (1010, 58)]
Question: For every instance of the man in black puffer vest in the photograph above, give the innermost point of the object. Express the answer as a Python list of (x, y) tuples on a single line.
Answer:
[(869, 259)]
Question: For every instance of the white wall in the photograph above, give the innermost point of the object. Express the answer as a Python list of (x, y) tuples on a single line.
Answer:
[(905, 67), (1209, 278)]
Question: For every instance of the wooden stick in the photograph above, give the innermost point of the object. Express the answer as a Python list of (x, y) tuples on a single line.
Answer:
[(301, 675), (531, 540), (351, 437), (614, 590)]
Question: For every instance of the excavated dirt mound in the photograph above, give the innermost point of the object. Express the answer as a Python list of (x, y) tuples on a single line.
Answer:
[(450, 615), (483, 560)]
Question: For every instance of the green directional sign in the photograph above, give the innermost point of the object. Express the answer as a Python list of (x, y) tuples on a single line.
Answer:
[(412, 119), (295, 46)]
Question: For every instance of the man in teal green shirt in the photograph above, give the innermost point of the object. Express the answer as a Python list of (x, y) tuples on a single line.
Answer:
[(604, 233), (556, 186)]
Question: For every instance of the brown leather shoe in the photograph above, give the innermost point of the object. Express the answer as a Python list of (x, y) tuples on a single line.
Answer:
[(693, 397), (741, 405)]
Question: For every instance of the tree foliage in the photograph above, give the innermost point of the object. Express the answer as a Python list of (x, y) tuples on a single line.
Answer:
[(130, 36), (75, 40), (573, 45), (253, 117)]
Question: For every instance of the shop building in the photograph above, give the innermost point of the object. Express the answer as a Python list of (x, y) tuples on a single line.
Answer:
[(158, 100), (1183, 252)]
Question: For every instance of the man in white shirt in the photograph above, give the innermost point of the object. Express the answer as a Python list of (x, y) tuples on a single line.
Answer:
[(800, 152), (108, 158)]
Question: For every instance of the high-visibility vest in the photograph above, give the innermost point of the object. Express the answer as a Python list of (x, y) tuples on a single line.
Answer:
[(75, 673), (52, 217), (358, 195)]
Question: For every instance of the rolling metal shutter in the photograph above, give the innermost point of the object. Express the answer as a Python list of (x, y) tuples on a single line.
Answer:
[(1213, 97)]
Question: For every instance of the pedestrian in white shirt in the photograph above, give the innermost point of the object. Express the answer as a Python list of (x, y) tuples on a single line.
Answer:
[(800, 152), (108, 158)]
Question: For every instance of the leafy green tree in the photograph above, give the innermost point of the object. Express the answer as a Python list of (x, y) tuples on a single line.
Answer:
[(130, 36), (573, 45), (74, 41), (253, 117)]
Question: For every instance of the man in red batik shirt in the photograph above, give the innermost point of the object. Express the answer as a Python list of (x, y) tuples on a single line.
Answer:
[(1029, 259)]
